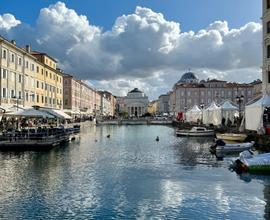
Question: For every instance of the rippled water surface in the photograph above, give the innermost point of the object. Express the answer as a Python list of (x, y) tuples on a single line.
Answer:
[(128, 176)]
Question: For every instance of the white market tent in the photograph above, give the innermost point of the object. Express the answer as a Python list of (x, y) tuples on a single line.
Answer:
[(228, 111), (254, 113), (193, 114), (212, 114), (29, 113)]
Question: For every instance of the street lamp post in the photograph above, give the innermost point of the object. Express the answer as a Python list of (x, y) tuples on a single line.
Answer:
[(240, 100), (202, 106)]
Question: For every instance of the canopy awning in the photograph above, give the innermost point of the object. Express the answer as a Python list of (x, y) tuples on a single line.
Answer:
[(29, 113), (57, 113)]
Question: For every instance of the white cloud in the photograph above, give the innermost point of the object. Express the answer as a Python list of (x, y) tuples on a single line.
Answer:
[(8, 21), (143, 49)]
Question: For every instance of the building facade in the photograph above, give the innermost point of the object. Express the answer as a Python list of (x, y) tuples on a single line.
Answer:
[(152, 107), (28, 77), (79, 97), (266, 47), (135, 103), (188, 92), (108, 103), (163, 104)]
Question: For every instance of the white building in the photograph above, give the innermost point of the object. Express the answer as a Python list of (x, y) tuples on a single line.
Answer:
[(135, 103), (163, 103)]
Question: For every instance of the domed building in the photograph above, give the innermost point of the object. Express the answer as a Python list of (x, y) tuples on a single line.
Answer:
[(188, 77), (136, 103)]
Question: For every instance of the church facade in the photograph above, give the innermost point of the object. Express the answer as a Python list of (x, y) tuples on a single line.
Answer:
[(135, 103)]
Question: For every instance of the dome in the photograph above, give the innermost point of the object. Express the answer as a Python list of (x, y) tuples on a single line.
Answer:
[(188, 77), (136, 90)]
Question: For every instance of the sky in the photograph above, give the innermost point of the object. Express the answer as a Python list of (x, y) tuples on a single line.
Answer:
[(149, 44)]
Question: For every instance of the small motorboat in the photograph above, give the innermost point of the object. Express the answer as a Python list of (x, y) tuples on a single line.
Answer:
[(226, 148), (195, 132), (231, 137), (254, 164)]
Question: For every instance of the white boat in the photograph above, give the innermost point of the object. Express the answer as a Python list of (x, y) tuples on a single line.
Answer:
[(231, 137), (195, 132), (234, 148), (257, 164)]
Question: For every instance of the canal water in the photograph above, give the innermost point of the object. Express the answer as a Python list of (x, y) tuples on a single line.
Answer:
[(128, 176)]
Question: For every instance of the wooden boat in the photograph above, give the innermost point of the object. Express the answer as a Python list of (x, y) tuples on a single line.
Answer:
[(254, 164), (195, 132), (222, 147), (231, 137)]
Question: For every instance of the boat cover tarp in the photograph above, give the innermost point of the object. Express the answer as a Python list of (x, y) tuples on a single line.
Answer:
[(255, 160), (254, 114), (194, 114)]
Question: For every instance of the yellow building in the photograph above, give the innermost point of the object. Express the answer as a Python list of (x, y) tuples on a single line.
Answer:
[(29, 78), (152, 107), (49, 82)]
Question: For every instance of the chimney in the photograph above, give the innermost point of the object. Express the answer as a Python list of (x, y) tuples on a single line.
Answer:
[(13, 42), (28, 48)]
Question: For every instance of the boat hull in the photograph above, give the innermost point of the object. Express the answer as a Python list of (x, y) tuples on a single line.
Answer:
[(195, 134), (234, 148), (232, 137)]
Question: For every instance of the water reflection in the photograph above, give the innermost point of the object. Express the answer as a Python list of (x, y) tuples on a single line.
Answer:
[(194, 151), (127, 176)]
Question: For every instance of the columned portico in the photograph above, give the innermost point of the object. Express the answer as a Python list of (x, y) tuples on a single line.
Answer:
[(136, 103)]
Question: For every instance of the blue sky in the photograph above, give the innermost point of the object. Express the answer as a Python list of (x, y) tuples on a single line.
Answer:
[(192, 15), (218, 39)]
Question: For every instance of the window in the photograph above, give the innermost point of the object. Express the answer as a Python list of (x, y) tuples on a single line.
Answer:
[(26, 64), (42, 99), (46, 100), (42, 85), (41, 71), (33, 67), (268, 76), (12, 94), (46, 73), (50, 100), (37, 84), (26, 96), (46, 86), (50, 75), (4, 95), (37, 69), (54, 101), (60, 80), (4, 54), (66, 101), (12, 58), (20, 61), (33, 97), (20, 94), (267, 4), (4, 73), (37, 98), (268, 51)]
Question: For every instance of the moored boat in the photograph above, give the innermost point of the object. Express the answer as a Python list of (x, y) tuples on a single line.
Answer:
[(231, 137), (255, 164), (222, 147), (195, 132)]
